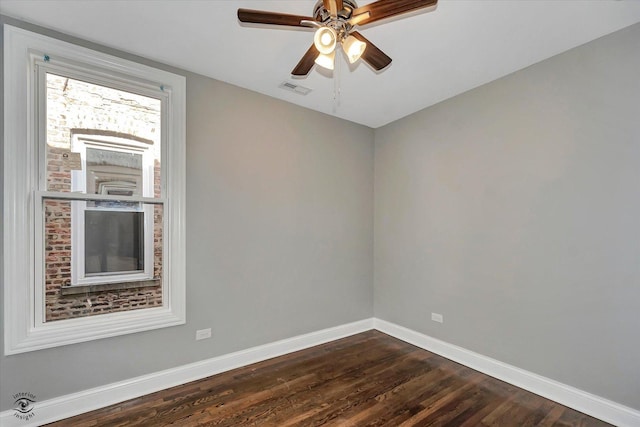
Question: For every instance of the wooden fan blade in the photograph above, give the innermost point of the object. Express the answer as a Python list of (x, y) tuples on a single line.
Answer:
[(306, 63), (333, 6), (330, 5), (383, 9), (263, 17), (372, 55)]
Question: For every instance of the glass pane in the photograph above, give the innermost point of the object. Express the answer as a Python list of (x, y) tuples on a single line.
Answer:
[(113, 172), (100, 261), (113, 242), (101, 140)]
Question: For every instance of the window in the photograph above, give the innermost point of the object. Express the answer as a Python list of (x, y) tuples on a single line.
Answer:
[(113, 241), (94, 194)]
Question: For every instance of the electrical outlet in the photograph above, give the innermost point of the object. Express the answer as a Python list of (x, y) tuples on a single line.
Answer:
[(203, 334), (437, 317)]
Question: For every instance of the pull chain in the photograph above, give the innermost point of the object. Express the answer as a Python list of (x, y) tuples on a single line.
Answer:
[(336, 82)]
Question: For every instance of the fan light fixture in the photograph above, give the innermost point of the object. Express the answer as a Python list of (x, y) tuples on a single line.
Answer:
[(325, 40), (354, 48), (326, 60)]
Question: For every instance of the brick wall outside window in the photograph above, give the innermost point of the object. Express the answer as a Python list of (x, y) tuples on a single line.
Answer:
[(75, 106)]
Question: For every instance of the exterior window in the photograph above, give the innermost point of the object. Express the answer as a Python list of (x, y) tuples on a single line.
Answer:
[(94, 194), (113, 241)]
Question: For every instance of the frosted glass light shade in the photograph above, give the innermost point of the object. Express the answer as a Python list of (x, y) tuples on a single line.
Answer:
[(354, 48), (325, 40), (326, 60)]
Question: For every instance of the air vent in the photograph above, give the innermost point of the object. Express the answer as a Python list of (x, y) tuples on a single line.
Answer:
[(294, 88)]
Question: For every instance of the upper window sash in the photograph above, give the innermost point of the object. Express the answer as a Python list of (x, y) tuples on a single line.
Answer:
[(43, 63)]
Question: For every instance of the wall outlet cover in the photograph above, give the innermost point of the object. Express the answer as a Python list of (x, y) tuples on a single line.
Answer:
[(202, 334), (437, 317)]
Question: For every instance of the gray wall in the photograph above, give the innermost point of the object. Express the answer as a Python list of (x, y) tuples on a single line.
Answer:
[(279, 241), (514, 211)]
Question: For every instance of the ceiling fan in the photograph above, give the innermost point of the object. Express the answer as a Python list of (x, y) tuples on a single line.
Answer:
[(335, 22)]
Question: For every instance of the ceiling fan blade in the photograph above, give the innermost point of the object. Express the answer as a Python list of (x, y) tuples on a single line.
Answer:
[(331, 6), (306, 63), (263, 17), (383, 9), (357, 19), (372, 55)]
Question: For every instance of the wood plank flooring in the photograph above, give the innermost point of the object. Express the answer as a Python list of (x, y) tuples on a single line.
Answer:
[(369, 379)]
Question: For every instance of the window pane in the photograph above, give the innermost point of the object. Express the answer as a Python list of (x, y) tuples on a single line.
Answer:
[(97, 135), (113, 172), (114, 242), (121, 253)]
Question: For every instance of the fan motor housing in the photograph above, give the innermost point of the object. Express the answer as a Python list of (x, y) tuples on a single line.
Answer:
[(322, 15)]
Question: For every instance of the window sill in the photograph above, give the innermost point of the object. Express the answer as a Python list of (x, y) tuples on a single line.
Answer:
[(88, 289)]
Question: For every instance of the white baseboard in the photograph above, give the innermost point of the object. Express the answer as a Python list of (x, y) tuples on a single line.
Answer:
[(590, 404), (100, 397)]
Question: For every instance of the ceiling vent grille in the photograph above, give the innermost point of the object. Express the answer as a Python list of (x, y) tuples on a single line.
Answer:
[(292, 87)]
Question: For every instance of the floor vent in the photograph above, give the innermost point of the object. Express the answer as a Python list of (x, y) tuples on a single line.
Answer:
[(294, 88)]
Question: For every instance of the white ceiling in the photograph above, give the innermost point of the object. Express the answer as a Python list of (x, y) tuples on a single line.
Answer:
[(460, 45)]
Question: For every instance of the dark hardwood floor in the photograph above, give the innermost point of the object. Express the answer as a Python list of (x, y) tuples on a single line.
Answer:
[(369, 379)]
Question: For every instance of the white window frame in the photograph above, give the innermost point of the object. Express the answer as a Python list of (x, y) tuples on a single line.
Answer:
[(24, 156), (79, 144)]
